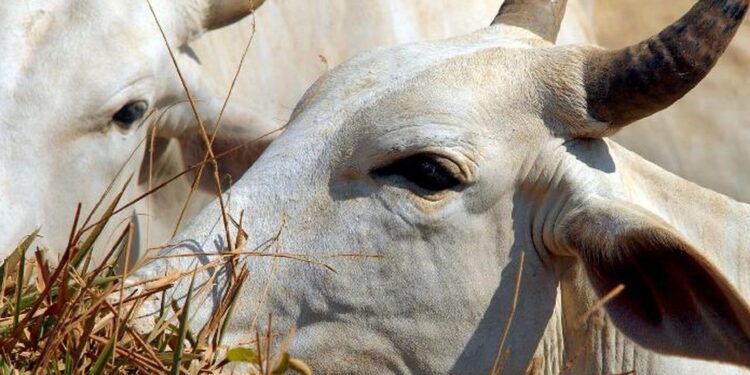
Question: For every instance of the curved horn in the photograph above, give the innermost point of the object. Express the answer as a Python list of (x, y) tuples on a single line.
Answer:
[(542, 17), (627, 85), (221, 13)]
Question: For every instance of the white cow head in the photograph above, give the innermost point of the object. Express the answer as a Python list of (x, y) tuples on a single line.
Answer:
[(81, 83), (452, 161)]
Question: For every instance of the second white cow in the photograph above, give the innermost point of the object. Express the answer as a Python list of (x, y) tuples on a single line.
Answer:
[(81, 85)]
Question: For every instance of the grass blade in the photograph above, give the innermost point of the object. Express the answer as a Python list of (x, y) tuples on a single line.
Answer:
[(283, 365), (183, 328), (12, 260), (19, 281), (88, 243), (2, 287), (299, 366), (101, 361)]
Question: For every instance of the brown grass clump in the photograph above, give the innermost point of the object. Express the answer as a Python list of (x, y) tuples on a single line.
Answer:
[(77, 318)]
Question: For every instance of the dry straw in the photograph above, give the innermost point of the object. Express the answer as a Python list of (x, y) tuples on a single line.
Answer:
[(78, 319)]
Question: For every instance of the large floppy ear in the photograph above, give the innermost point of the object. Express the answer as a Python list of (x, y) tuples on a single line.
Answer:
[(238, 137), (675, 301), (238, 134)]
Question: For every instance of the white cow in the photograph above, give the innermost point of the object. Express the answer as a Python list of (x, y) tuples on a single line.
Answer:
[(470, 164), (80, 83)]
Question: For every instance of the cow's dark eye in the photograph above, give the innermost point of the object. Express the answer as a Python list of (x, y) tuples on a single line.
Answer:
[(130, 113), (422, 170)]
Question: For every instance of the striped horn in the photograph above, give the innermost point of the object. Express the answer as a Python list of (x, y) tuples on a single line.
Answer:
[(542, 17), (627, 85)]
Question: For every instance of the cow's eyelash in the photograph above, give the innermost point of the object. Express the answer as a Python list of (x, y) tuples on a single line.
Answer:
[(423, 170)]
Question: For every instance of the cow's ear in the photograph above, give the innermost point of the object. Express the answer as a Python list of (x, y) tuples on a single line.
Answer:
[(239, 137), (675, 301), (239, 134)]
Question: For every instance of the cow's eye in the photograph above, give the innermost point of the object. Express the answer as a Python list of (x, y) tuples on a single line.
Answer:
[(130, 113), (423, 170)]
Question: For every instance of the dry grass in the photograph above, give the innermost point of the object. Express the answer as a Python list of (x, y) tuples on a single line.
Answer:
[(77, 318)]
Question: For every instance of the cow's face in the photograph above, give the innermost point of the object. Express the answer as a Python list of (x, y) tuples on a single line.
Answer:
[(81, 82), (435, 158)]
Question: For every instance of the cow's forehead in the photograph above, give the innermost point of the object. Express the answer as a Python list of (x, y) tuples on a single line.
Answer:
[(25, 10), (424, 79), (49, 45), (29, 23), (387, 68)]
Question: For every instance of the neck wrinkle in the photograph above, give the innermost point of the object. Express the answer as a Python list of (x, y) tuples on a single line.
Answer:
[(567, 347)]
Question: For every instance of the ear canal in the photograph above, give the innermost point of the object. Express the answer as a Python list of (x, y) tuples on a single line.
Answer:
[(542, 17), (674, 301), (220, 13), (627, 85)]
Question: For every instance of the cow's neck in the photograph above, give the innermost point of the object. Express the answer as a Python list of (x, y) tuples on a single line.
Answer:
[(713, 223)]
